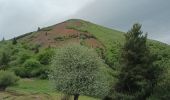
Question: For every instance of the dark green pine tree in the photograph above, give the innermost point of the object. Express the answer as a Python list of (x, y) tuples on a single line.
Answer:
[(38, 29), (3, 39), (14, 41), (4, 60), (138, 74)]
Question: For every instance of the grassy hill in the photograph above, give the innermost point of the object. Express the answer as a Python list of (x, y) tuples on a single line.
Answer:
[(106, 41), (37, 47)]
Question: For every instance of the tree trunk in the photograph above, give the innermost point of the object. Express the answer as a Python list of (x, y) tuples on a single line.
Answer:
[(76, 96)]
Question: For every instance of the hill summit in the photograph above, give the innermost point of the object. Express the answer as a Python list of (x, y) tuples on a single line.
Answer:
[(70, 31)]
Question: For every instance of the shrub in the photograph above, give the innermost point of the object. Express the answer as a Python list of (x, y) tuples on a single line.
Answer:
[(31, 64), (32, 68), (14, 41), (45, 57), (59, 38), (7, 79), (39, 29), (29, 69), (162, 89), (23, 57), (83, 36), (22, 72), (41, 72)]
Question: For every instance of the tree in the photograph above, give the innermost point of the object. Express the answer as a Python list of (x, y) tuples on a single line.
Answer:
[(36, 50), (4, 60), (45, 56), (39, 29), (3, 39), (138, 74), (14, 41), (75, 70)]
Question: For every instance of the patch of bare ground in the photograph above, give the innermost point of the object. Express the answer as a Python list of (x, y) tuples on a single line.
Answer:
[(59, 35)]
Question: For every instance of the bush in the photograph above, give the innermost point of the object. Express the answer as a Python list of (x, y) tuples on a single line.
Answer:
[(32, 68), (31, 64), (59, 38), (23, 57), (45, 57), (41, 72), (7, 79), (162, 90), (22, 72), (29, 69)]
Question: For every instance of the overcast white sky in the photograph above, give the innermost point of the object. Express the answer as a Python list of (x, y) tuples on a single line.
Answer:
[(21, 16)]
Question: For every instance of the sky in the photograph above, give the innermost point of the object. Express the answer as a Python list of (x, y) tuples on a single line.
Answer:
[(21, 16)]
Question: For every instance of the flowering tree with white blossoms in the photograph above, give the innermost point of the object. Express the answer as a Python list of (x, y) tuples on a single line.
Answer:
[(77, 70)]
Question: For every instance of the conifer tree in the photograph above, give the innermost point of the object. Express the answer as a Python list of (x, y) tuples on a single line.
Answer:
[(39, 29), (138, 74), (14, 41), (3, 39), (4, 59)]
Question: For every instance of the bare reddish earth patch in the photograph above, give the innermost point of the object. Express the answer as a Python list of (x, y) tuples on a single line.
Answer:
[(93, 43), (47, 38)]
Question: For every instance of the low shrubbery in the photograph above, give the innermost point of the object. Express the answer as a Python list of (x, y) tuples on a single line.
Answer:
[(6, 79), (59, 38), (45, 56), (29, 68), (32, 68), (161, 91)]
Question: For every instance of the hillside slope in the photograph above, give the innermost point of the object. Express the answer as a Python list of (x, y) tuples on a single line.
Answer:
[(107, 42), (30, 57)]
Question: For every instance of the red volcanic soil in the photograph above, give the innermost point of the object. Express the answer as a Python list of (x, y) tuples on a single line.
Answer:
[(93, 43), (60, 34)]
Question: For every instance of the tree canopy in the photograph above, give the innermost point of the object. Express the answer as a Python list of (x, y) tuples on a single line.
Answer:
[(76, 71), (138, 74)]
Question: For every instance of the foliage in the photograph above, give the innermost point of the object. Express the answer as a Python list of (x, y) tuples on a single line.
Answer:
[(30, 68), (45, 56), (111, 39), (59, 38), (4, 60), (86, 36), (108, 37), (39, 29), (75, 70), (138, 74), (161, 91), (14, 41), (42, 72), (23, 56), (7, 79), (31, 64)]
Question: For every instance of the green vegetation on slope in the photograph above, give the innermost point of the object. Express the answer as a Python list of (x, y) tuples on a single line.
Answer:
[(16, 55), (113, 41)]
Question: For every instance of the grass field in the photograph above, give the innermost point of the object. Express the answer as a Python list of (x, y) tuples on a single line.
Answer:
[(34, 89)]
